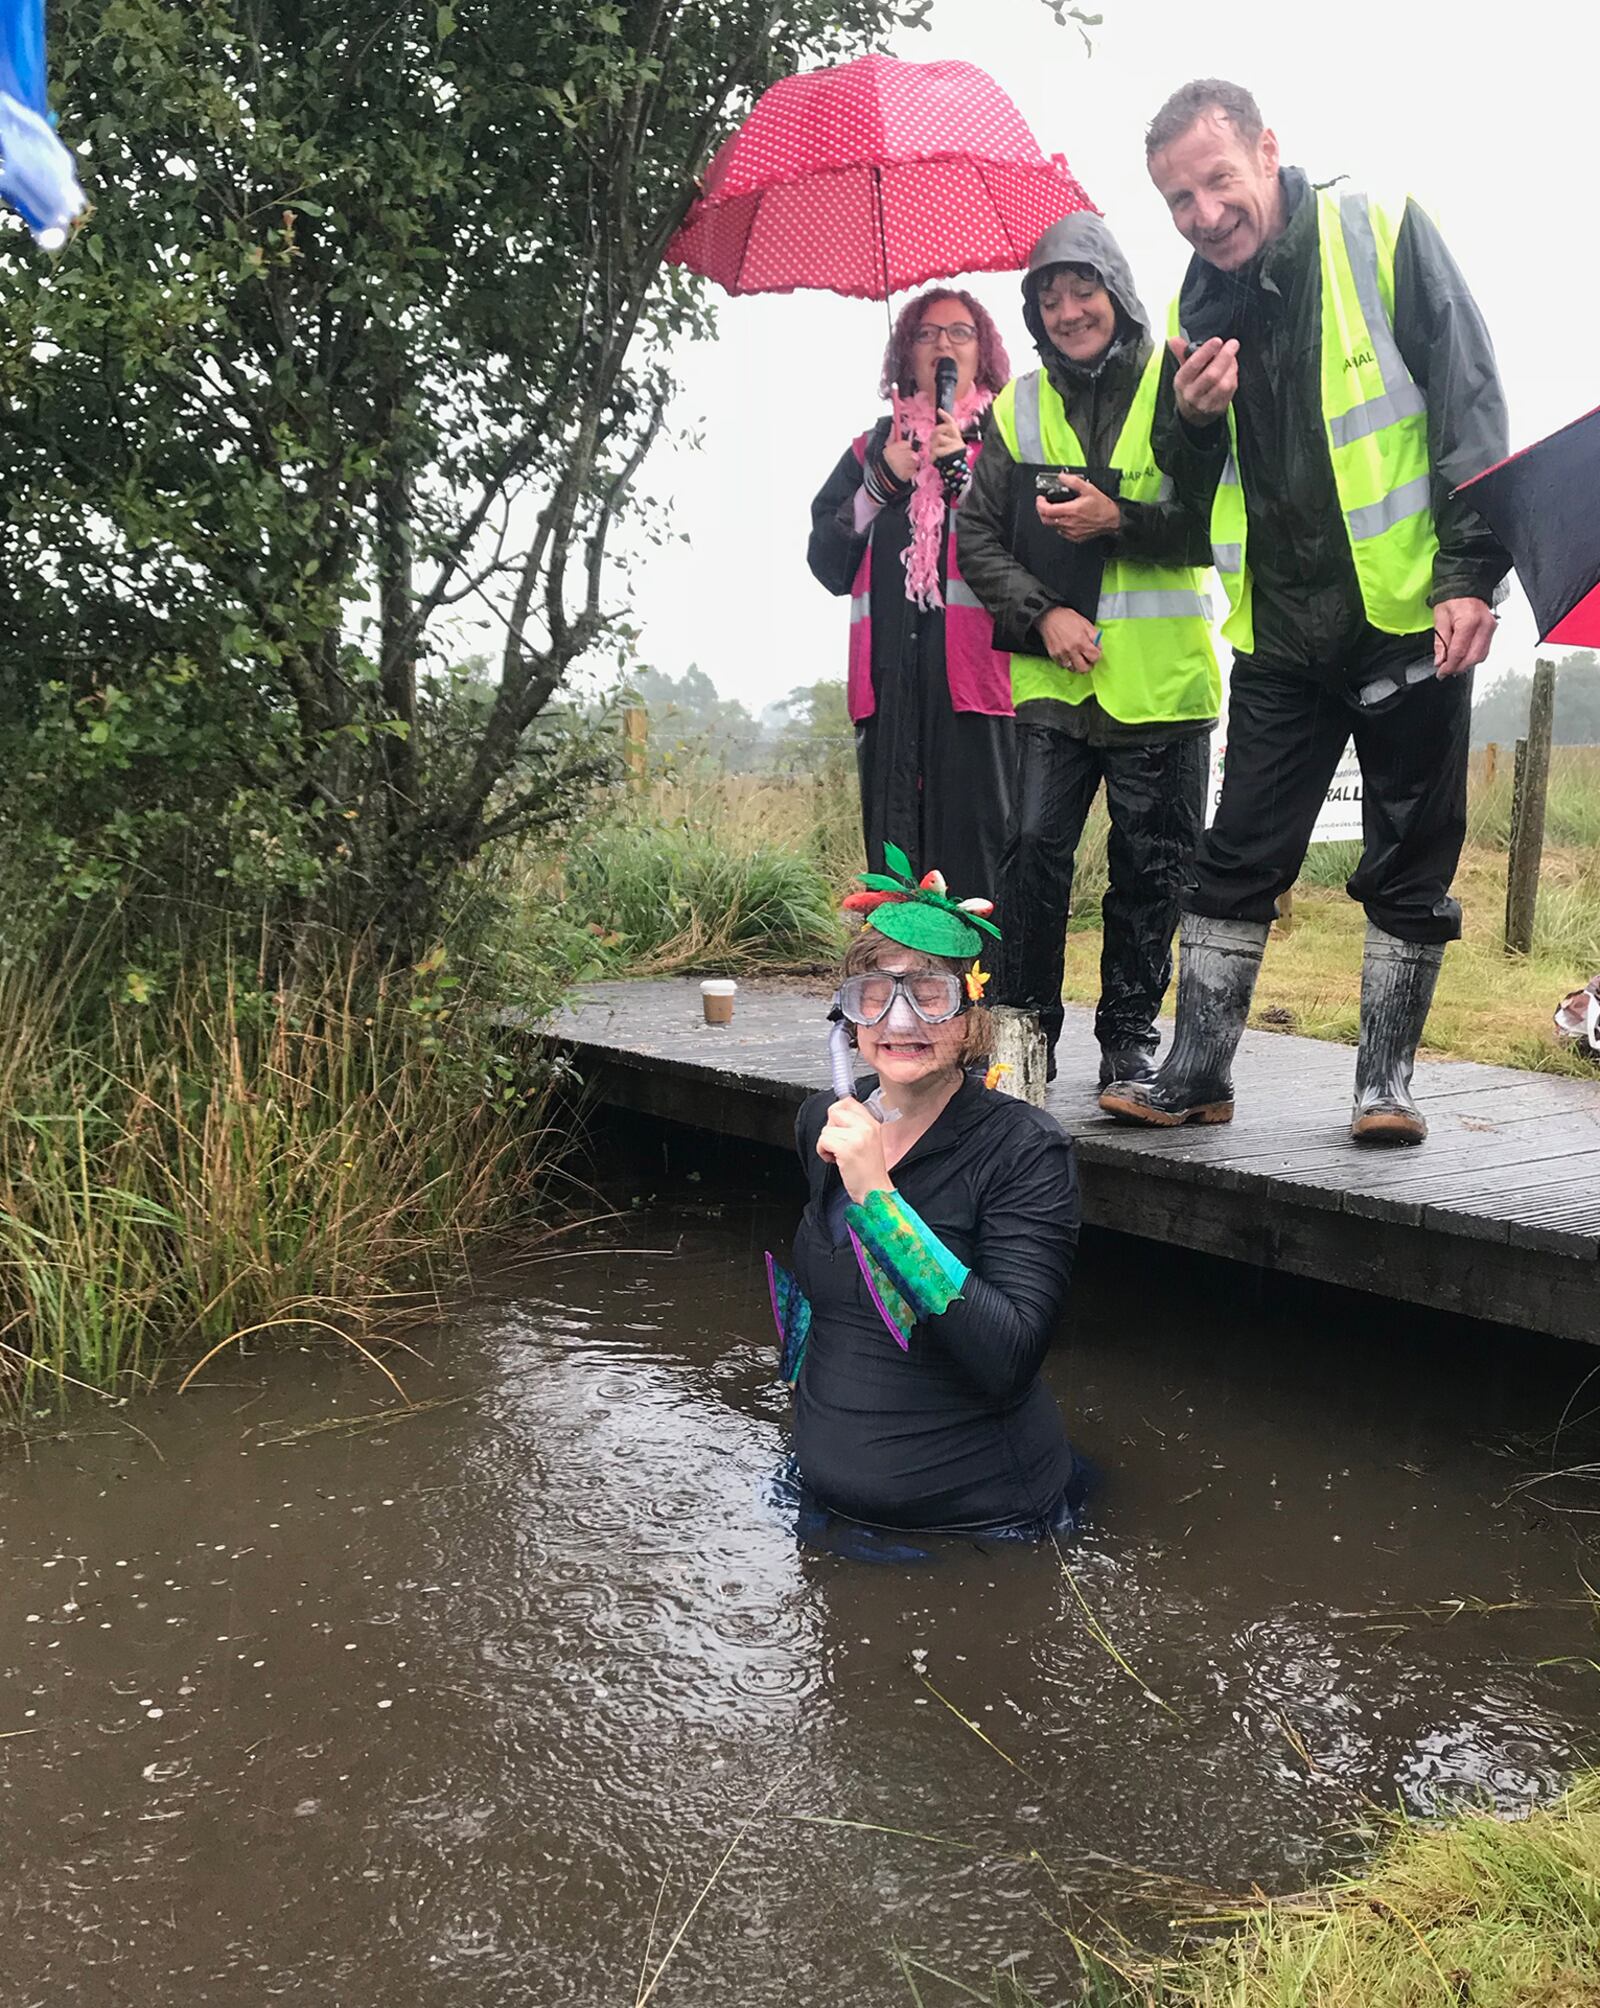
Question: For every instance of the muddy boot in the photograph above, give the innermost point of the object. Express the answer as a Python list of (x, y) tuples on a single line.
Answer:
[(1397, 979), (1218, 962), (1018, 1045), (1126, 1064)]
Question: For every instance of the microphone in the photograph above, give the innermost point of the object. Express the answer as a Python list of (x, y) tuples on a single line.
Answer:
[(944, 385)]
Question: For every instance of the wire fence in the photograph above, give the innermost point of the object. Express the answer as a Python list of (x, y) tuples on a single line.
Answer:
[(817, 814), (1571, 834)]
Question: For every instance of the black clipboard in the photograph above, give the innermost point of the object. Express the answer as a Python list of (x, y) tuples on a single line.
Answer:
[(1072, 572)]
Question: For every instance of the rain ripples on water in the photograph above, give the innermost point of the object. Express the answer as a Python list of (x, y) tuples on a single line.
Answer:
[(439, 1713)]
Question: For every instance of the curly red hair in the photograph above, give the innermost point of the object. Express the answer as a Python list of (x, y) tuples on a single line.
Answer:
[(993, 372)]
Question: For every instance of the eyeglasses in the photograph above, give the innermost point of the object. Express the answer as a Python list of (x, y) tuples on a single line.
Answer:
[(933, 994), (960, 333)]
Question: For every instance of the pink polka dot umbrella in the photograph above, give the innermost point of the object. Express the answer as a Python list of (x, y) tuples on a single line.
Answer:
[(872, 177)]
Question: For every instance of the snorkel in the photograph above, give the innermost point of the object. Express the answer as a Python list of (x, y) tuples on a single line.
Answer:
[(840, 1064)]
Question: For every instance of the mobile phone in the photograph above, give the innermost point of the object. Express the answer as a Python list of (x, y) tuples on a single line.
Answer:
[(1048, 486)]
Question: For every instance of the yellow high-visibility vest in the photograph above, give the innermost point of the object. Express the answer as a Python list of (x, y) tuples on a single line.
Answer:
[(1376, 419), (1156, 662)]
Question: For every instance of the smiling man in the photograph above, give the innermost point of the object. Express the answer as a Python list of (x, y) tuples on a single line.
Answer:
[(1127, 698), (1336, 382)]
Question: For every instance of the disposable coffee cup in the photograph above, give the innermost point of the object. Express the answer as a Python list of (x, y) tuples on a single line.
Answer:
[(716, 999)]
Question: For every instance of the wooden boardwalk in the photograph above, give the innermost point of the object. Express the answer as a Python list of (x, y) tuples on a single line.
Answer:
[(1496, 1216)]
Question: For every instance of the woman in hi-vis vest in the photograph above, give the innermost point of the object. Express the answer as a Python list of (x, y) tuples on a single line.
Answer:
[(1127, 698), (929, 696)]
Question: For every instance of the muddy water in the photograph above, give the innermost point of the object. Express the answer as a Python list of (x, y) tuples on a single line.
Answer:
[(443, 1711)]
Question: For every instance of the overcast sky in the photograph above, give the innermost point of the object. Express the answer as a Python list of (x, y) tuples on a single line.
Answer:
[(1484, 112)]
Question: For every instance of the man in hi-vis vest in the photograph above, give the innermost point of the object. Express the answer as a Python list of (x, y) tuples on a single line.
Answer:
[(1127, 698), (1337, 382)]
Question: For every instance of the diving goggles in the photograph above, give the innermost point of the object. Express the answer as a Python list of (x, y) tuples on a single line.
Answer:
[(935, 996)]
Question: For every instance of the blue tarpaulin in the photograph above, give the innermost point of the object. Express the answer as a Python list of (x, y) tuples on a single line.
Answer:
[(37, 174)]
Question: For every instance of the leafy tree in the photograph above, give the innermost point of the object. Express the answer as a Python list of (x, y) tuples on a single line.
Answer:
[(1501, 713), (817, 737), (360, 344), (691, 723)]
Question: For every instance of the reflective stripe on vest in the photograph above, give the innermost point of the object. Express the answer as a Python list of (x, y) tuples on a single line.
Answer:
[(1229, 557), (1030, 431), (1157, 605), (1029, 427), (1376, 421), (957, 593), (1401, 396), (1156, 662)]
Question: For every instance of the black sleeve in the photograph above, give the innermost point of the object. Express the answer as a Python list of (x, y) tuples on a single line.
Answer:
[(834, 552), (808, 1122), (1193, 456), (1442, 336), (1009, 590), (999, 1329)]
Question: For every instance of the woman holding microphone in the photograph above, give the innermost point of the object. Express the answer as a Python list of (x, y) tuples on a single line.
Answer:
[(929, 695)]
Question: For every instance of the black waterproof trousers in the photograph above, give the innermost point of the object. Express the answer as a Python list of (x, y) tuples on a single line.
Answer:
[(1285, 738), (934, 780), (1155, 795)]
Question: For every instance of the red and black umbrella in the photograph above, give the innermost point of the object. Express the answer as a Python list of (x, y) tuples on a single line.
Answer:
[(1544, 506)]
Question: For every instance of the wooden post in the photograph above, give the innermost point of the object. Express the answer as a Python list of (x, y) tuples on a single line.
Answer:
[(1017, 1045), (636, 745), (1491, 763), (1284, 924), (1530, 780)]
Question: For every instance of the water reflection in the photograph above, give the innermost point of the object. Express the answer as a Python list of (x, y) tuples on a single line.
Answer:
[(441, 1714)]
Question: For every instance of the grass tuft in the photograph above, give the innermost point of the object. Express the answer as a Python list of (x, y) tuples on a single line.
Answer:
[(1473, 1911), (213, 1163), (1505, 1914), (696, 894)]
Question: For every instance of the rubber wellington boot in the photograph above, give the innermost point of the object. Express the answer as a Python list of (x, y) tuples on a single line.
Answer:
[(1397, 979), (1125, 1064), (1018, 1044), (1218, 962)]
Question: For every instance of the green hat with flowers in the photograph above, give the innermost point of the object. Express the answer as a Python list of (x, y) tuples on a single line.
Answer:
[(921, 914)]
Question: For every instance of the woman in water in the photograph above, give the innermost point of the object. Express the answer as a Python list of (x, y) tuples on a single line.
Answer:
[(935, 1251)]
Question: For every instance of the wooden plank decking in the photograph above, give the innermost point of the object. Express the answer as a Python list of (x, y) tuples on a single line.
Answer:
[(1497, 1216)]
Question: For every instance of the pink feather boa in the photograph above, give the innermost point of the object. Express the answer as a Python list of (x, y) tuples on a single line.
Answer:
[(915, 419)]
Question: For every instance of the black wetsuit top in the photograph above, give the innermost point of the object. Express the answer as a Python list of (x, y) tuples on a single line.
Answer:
[(960, 1431)]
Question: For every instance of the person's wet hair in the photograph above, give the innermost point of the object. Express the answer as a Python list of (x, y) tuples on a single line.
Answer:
[(993, 369), (1204, 97)]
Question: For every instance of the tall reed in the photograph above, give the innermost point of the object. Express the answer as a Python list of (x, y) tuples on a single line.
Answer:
[(688, 894), (220, 1163)]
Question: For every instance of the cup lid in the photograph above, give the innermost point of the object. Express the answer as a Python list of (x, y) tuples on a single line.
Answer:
[(718, 986)]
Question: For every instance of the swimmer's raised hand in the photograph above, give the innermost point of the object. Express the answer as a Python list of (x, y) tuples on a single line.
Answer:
[(852, 1138)]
